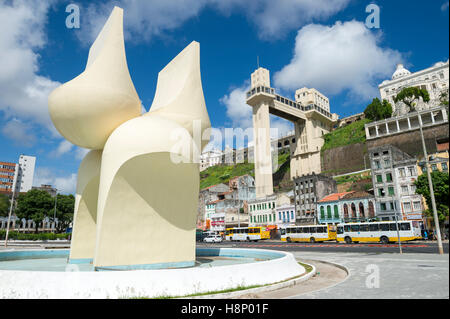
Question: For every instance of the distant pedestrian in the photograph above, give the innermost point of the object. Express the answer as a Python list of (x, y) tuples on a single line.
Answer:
[(425, 235)]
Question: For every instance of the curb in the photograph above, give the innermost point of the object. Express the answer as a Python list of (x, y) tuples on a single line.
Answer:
[(270, 287)]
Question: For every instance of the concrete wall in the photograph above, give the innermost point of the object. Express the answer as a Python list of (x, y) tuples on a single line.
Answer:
[(350, 158)]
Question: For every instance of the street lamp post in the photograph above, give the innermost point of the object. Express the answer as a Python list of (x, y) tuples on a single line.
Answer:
[(398, 230), (430, 185), (54, 212)]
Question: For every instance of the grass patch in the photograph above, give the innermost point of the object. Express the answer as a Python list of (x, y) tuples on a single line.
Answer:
[(349, 134), (351, 178)]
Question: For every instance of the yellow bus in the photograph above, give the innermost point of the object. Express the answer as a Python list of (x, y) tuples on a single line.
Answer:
[(383, 232), (247, 233), (310, 233)]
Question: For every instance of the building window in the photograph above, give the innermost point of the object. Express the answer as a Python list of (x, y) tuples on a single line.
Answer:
[(379, 179), (377, 164), (434, 167), (329, 212), (391, 191), (401, 171), (387, 163), (411, 171), (417, 206), (381, 192), (383, 206), (404, 189), (322, 212), (388, 177), (413, 189), (336, 212), (444, 167), (407, 206)]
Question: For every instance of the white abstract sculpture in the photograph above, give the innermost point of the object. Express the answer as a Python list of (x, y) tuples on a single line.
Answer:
[(147, 178)]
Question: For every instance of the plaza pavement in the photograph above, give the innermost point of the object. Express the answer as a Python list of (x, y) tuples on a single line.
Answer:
[(371, 276)]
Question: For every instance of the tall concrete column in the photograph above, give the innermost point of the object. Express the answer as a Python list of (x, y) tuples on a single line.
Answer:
[(263, 155)]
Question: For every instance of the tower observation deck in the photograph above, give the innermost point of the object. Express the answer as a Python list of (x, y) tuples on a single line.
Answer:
[(311, 122)]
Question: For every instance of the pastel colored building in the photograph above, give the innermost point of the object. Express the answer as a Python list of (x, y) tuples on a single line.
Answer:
[(351, 206)]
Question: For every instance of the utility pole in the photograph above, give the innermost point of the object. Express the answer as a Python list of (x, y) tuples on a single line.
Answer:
[(430, 185), (54, 213), (16, 172), (398, 229)]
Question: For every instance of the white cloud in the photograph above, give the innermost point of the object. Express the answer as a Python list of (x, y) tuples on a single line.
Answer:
[(332, 59), (63, 183), (80, 152), (23, 92), (63, 148), (19, 132), (274, 18), (146, 19)]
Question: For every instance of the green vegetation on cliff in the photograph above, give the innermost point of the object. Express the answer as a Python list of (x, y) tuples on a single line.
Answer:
[(350, 134), (222, 173)]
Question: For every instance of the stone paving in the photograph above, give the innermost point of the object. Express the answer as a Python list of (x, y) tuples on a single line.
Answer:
[(375, 276)]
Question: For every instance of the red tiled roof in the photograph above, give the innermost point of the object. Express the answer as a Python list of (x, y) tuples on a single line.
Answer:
[(334, 197), (442, 147)]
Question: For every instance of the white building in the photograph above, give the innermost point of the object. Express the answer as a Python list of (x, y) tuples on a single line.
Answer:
[(434, 79), (25, 173), (210, 158), (285, 216), (311, 96), (262, 211)]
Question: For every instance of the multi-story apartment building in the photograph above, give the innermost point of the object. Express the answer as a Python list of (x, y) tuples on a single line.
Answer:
[(285, 216), (7, 173), (262, 211), (227, 206), (308, 190), (393, 176), (26, 173), (22, 172)]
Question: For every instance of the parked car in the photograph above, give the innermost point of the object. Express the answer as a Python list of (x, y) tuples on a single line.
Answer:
[(213, 239)]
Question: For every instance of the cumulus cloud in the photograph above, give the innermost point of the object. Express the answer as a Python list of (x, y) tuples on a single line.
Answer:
[(19, 132), (23, 92), (274, 18), (64, 183), (146, 19), (63, 148), (333, 59)]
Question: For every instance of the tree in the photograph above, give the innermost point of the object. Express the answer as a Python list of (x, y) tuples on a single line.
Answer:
[(35, 205), (440, 182), (378, 110), (443, 98), (65, 205), (4, 205), (409, 96)]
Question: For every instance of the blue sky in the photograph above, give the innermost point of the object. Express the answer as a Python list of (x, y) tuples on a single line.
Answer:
[(313, 43)]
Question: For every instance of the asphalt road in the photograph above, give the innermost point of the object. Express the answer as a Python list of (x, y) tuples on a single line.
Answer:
[(407, 247)]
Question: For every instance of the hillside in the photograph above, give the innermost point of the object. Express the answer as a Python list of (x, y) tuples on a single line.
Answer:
[(350, 134), (222, 173)]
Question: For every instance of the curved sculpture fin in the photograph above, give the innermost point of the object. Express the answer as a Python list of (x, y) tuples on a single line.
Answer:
[(88, 108), (179, 93)]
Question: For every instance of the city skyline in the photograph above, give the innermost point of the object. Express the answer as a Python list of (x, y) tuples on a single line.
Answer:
[(297, 41)]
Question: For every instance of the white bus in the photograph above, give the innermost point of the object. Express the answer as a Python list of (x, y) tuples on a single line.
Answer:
[(383, 232), (312, 233), (247, 233)]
